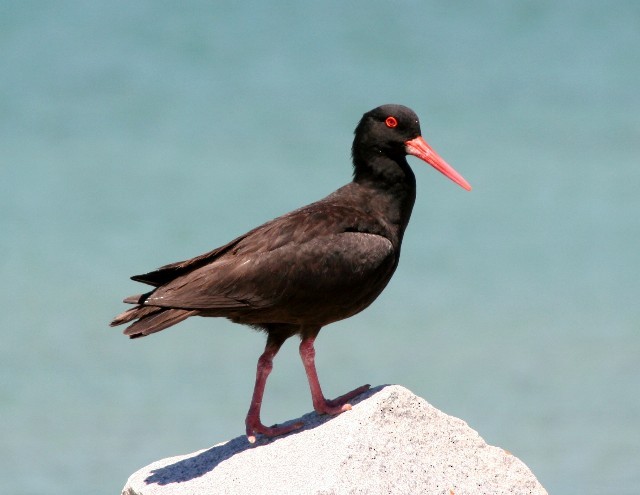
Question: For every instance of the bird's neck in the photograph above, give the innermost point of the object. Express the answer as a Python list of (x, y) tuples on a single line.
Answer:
[(390, 187)]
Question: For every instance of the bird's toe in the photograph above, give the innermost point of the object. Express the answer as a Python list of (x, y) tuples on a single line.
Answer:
[(254, 428), (339, 404)]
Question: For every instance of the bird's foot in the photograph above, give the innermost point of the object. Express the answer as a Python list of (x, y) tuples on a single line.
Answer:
[(254, 426), (339, 404)]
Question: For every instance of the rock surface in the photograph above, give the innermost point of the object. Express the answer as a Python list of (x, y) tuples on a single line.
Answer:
[(391, 442)]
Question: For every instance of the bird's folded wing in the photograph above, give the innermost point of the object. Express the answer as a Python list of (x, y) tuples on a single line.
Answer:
[(296, 227), (289, 274)]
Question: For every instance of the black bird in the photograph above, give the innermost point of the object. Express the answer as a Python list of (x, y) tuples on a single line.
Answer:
[(299, 272)]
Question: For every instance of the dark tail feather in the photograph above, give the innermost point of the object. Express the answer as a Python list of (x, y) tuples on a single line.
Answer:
[(134, 314), (138, 298), (152, 319)]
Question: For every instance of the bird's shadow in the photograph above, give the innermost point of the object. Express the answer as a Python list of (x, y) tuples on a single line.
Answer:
[(207, 460)]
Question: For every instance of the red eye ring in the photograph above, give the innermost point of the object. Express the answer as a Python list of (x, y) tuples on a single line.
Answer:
[(391, 122)]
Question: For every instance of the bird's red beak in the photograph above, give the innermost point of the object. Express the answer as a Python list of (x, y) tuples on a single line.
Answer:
[(419, 147)]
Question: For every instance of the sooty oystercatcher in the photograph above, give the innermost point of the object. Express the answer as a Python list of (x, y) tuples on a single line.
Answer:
[(299, 272)]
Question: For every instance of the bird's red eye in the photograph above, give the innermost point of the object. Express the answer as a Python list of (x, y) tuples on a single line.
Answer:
[(391, 122)]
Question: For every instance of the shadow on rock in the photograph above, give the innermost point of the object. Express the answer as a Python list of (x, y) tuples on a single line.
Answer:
[(207, 460)]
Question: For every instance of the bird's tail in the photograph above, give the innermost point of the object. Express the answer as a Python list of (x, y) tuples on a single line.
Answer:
[(150, 319)]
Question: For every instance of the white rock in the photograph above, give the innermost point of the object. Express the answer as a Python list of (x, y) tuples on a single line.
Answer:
[(391, 442)]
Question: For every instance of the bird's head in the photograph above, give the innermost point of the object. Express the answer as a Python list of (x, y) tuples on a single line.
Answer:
[(393, 131)]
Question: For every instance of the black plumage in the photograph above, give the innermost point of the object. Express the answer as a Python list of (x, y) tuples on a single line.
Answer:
[(313, 266)]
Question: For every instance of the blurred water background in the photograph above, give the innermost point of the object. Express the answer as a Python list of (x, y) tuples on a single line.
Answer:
[(134, 134)]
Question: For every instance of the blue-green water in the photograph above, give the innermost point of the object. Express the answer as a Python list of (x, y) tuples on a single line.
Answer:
[(133, 134)]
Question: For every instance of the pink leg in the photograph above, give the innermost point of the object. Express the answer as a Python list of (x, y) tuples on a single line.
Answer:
[(320, 404), (253, 423)]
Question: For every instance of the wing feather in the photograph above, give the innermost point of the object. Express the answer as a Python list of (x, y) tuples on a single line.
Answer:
[(288, 274)]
